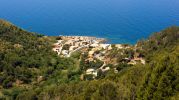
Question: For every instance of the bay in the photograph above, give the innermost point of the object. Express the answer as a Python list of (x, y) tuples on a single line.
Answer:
[(120, 21)]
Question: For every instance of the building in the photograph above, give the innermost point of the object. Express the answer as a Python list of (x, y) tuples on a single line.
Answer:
[(65, 53), (119, 46), (94, 45), (104, 46), (91, 71), (91, 53), (105, 69), (57, 49)]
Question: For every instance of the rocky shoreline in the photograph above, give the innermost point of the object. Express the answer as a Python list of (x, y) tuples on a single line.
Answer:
[(100, 40)]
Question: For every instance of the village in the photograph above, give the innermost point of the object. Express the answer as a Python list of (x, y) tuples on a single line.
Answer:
[(96, 48), (66, 45)]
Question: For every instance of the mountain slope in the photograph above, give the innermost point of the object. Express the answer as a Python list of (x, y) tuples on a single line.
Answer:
[(30, 70), (156, 80), (21, 53)]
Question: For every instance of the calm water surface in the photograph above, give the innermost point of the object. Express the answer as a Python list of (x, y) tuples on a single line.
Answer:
[(120, 21)]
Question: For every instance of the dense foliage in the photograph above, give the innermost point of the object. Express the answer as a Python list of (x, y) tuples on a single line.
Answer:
[(30, 70), (27, 58), (23, 54)]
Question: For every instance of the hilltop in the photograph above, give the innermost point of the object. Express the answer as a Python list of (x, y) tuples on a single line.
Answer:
[(31, 67)]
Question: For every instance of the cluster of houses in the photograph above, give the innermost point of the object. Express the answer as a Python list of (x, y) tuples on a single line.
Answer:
[(66, 45), (75, 43)]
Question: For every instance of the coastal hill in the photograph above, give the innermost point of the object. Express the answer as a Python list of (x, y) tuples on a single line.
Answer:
[(33, 68)]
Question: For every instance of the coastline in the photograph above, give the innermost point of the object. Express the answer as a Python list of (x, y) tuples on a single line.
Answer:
[(90, 38)]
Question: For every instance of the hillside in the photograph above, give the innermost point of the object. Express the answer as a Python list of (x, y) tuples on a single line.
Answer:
[(27, 61), (30, 70)]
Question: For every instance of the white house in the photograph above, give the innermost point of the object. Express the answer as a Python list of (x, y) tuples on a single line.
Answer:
[(94, 45), (119, 46), (65, 52), (105, 69), (91, 71), (104, 46)]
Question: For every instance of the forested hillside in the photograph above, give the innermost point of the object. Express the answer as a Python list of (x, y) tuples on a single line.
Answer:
[(162, 78), (27, 59), (23, 54), (30, 70)]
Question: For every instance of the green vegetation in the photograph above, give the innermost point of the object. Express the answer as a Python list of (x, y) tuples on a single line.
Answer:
[(30, 70), (27, 61), (66, 47)]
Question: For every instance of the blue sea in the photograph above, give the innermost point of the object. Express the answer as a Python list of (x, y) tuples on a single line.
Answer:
[(120, 21)]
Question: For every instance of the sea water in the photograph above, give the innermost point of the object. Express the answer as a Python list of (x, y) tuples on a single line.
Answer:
[(120, 21)]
